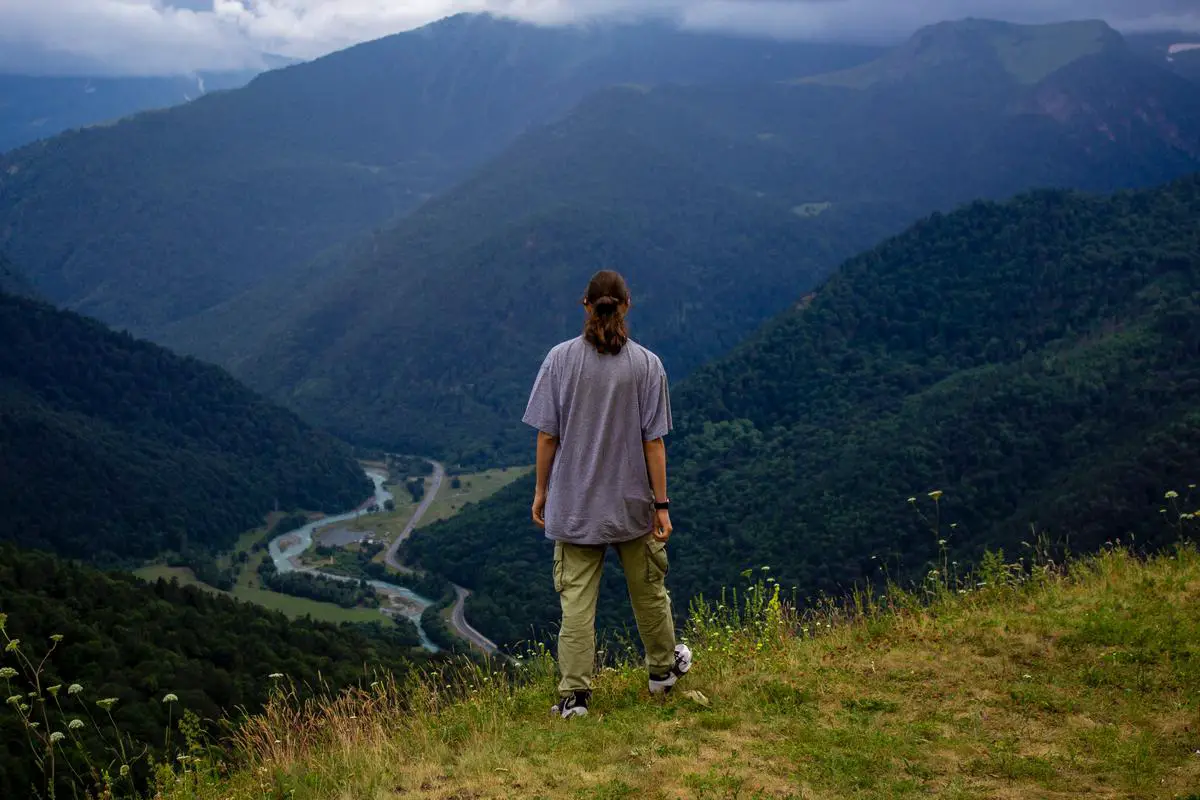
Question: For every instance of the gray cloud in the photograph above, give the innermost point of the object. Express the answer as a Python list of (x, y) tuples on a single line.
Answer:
[(173, 36)]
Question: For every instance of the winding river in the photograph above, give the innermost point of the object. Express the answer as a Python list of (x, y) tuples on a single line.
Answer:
[(301, 539)]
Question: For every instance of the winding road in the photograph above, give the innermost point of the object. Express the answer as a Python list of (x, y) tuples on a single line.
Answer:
[(435, 485), (458, 617)]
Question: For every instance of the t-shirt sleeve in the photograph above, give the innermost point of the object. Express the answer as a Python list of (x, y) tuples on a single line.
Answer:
[(542, 411), (656, 403)]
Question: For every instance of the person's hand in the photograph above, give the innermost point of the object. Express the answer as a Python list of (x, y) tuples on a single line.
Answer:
[(539, 510), (662, 525)]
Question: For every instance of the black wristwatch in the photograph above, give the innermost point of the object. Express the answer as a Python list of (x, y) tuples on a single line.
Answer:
[(663, 506)]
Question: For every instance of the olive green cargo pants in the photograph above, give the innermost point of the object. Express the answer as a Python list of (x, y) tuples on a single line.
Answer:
[(577, 571)]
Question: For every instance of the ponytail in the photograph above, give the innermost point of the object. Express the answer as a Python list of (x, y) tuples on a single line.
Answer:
[(607, 300)]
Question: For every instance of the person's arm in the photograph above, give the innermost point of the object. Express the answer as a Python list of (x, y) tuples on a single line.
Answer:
[(656, 469), (547, 448)]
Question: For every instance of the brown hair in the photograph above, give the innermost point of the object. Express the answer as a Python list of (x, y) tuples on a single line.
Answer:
[(607, 299)]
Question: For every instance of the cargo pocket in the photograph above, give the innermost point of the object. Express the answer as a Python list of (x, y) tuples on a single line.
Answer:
[(558, 567), (657, 565)]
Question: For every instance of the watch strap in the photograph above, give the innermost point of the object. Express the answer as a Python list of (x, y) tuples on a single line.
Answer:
[(663, 506)]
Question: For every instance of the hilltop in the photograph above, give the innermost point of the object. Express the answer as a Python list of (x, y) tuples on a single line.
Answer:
[(1040, 683)]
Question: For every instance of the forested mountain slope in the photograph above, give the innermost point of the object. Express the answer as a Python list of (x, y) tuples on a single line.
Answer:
[(12, 280), (721, 204), (113, 448), (165, 214), (36, 107), (1037, 361), (138, 642)]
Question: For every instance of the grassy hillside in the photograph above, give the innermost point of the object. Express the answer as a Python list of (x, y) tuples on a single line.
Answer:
[(114, 449), (165, 214), (1041, 683), (723, 205), (1036, 361)]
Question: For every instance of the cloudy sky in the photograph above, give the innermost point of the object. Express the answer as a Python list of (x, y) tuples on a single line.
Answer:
[(173, 36)]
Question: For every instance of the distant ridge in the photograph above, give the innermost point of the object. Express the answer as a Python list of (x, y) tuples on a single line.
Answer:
[(1024, 53)]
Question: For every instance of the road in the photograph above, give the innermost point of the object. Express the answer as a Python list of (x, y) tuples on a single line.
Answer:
[(464, 629), (435, 485), (458, 618)]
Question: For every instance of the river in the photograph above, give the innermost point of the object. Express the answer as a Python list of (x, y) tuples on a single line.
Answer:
[(301, 539)]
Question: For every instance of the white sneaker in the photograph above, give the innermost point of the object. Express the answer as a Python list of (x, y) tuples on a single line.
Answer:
[(573, 705), (661, 684)]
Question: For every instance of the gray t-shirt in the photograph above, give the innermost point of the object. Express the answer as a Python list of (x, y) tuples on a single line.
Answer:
[(601, 408)]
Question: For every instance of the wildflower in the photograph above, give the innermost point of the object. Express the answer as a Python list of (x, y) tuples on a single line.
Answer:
[(912, 500), (170, 699), (766, 569), (1171, 495), (941, 542), (275, 675), (12, 646), (74, 688), (107, 703), (124, 770), (936, 495), (75, 724), (56, 638), (53, 690), (14, 700), (7, 673), (57, 736)]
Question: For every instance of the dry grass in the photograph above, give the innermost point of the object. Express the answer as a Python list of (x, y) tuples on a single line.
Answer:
[(1079, 685)]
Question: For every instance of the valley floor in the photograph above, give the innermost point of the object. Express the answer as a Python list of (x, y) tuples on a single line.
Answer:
[(1062, 685)]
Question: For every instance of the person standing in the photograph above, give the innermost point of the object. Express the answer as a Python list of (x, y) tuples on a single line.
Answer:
[(601, 407)]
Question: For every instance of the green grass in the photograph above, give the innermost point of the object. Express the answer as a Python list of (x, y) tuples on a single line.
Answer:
[(1079, 684), (182, 574), (296, 607), (474, 488)]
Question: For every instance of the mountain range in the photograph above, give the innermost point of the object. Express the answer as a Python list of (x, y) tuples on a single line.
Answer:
[(164, 215), (722, 204), (991, 377)]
